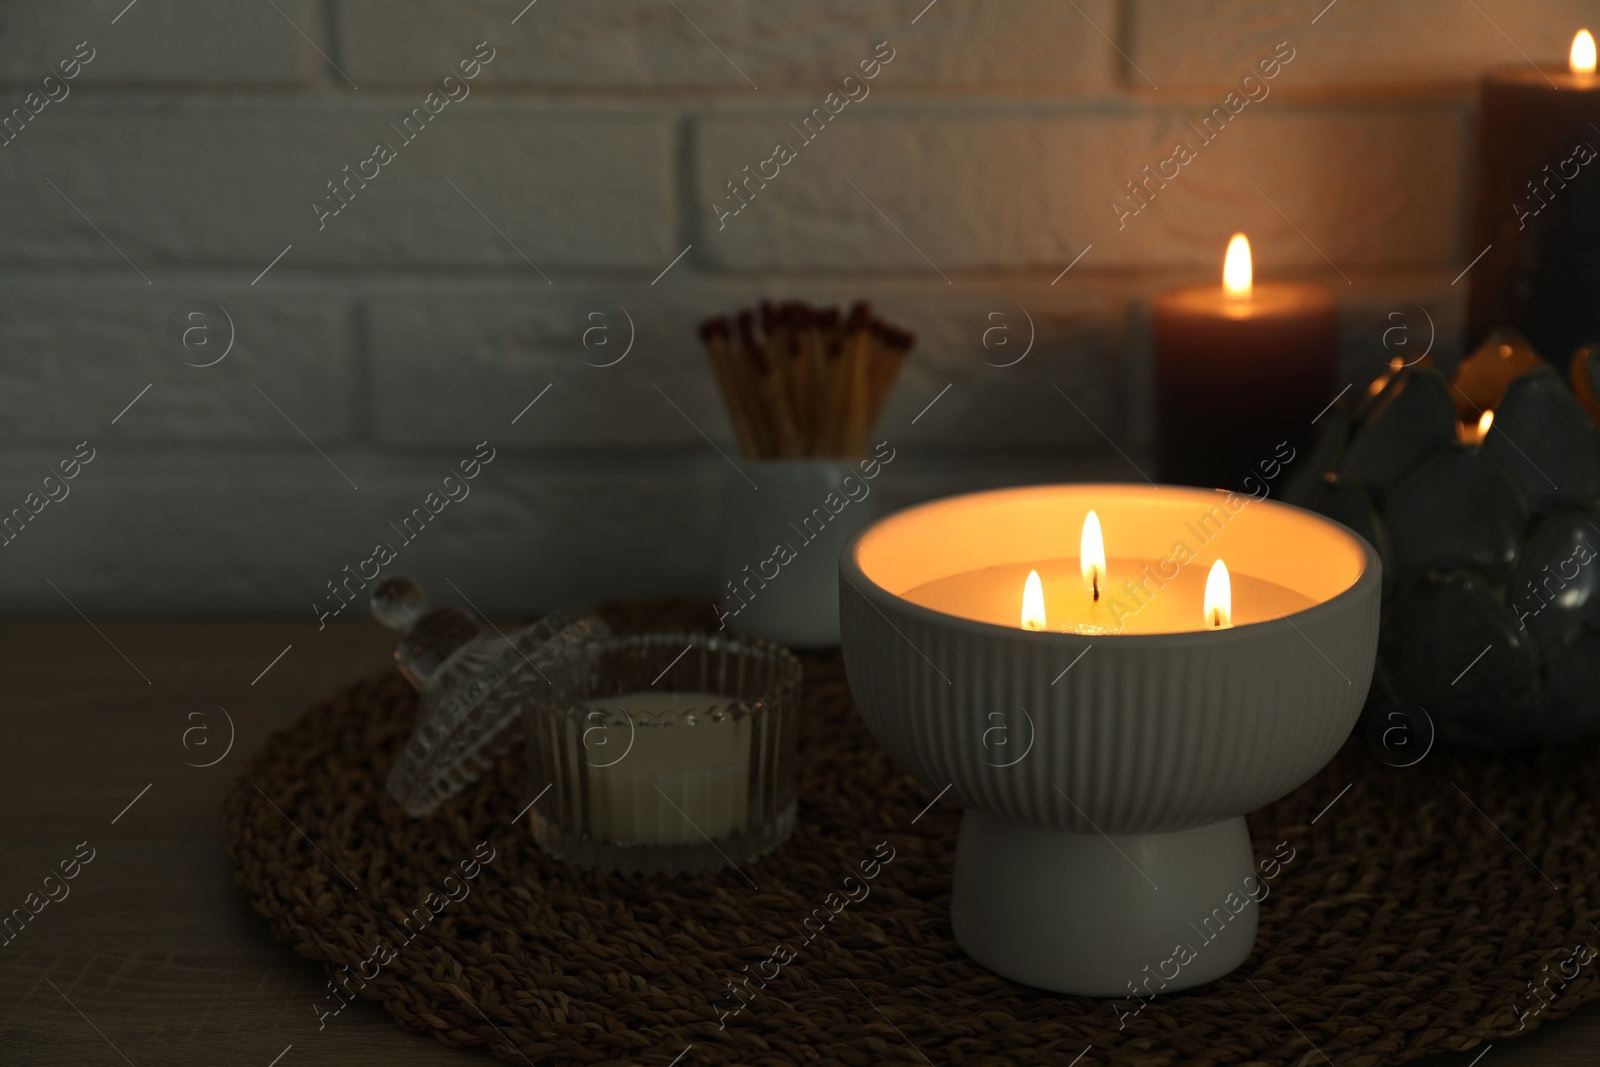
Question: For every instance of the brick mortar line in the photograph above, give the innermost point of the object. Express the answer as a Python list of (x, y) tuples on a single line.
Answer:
[(327, 16), (28, 280), (198, 97)]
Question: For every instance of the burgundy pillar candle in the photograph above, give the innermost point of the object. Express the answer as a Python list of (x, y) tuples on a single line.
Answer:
[(1537, 206), (1240, 369)]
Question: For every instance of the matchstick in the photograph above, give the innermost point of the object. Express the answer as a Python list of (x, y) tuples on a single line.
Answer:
[(773, 391), (714, 332)]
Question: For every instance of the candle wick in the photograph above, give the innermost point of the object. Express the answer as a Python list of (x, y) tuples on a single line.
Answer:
[(1094, 576)]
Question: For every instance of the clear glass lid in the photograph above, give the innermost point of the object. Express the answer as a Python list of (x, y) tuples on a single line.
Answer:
[(473, 682)]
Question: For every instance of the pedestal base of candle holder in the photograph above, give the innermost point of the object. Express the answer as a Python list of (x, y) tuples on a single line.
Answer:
[(702, 855), (1104, 915)]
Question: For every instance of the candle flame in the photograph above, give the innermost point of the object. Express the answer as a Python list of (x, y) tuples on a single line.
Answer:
[(1033, 603), (1396, 365), (1236, 268), (1581, 58), (1092, 556), (1471, 433), (1219, 597)]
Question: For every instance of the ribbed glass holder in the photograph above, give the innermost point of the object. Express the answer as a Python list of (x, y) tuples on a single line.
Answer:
[(665, 752)]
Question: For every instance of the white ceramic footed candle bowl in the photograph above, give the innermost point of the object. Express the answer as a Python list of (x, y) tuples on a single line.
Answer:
[(1110, 822)]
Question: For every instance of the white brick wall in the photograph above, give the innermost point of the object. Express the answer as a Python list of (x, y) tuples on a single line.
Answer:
[(229, 183), (75, 358), (169, 43), (1354, 44), (457, 284), (646, 45)]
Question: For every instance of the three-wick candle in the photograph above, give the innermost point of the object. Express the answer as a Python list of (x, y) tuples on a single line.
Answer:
[(1091, 594)]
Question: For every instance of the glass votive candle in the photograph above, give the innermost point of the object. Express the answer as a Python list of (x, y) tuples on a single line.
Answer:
[(665, 752)]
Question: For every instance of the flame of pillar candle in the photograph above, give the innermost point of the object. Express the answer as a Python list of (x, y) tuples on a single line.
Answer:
[(1033, 603), (1485, 421), (1236, 268), (1219, 597), (1092, 556), (1581, 58)]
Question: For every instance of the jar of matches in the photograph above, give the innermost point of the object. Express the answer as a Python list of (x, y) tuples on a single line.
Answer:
[(810, 384)]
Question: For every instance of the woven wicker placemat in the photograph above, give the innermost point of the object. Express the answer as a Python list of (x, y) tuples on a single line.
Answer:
[(1424, 909)]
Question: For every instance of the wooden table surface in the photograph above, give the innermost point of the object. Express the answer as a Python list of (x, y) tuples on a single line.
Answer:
[(154, 957)]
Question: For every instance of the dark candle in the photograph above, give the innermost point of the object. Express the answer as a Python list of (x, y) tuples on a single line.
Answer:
[(1240, 369), (1537, 206)]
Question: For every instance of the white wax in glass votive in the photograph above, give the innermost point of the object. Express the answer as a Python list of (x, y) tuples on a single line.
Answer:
[(702, 769)]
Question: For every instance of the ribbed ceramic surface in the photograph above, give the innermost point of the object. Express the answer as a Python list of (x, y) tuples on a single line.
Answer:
[(1142, 734)]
